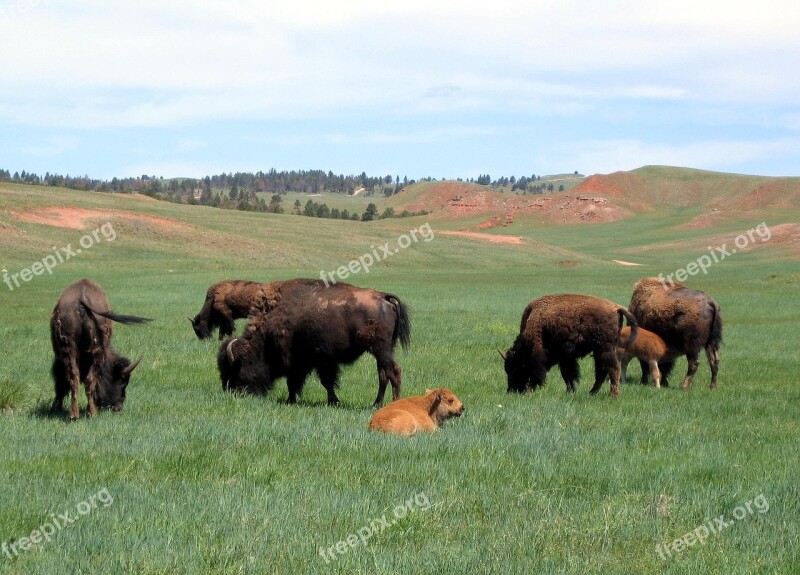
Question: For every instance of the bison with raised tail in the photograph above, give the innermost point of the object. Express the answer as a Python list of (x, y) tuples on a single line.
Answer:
[(80, 330), (306, 326), (560, 329), (687, 320), (226, 301)]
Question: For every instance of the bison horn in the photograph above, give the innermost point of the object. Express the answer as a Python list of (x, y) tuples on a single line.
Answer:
[(501, 354), (131, 367), (229, 351), (190, 319)]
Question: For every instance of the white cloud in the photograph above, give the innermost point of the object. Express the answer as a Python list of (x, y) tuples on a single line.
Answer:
[(185, 61), (438, 69)]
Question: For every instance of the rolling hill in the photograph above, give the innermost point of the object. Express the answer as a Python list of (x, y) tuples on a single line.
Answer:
[(196, 480)]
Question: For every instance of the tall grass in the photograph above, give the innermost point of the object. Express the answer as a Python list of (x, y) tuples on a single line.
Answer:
[(206, 482)]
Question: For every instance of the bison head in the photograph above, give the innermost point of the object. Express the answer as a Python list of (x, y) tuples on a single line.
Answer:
[(200, 326), (517, 369), (110, 391), (445, 404), (241, 368)]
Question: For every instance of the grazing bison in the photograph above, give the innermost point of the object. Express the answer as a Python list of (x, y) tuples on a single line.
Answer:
[(559, 329), (687, 320), (421, 413), (80, 329), (308, 327), (225, 302)]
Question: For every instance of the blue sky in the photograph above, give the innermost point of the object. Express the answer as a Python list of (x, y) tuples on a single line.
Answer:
[(413, 88)]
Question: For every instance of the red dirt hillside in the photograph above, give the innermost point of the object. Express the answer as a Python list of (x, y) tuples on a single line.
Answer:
[(656, 186), (460, 200), (606, 198)]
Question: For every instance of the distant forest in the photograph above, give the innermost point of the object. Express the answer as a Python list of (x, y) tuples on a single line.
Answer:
[(249, 191)]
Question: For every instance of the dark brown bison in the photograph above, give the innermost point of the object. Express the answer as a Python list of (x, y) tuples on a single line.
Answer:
[(559, 329), (687, 320), (226, 301), (80, 329), (311, 327)]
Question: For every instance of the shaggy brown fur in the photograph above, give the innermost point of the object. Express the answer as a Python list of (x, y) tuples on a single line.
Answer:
[(302, 325), (648, 347), (80, 331), (420, 413), (225, 302), (687, 320), (559, 329)]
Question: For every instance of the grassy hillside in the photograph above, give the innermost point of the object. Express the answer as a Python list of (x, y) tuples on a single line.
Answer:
[(189, 479)]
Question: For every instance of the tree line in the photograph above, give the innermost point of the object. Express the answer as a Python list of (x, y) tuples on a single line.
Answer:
[(248, 191)]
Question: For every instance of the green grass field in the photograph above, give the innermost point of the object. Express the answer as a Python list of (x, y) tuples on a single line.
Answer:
[(189, 479)]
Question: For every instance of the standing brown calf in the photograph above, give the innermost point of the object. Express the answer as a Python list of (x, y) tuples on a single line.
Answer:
[(419, 413), (648, 348)]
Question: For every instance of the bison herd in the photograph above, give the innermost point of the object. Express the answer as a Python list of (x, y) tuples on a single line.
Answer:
[(298, 326)]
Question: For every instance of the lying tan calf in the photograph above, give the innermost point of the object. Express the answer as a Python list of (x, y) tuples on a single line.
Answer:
[(647, 347), (420, 413)]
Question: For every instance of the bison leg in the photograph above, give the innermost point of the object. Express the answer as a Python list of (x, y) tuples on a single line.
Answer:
[(538, 370), (606, 365), (623, 366), (665, 367), (61, 385), (295, 382), (570, 371), (74, 375), (91, 392), (388, 371), (645, 370), (329, 376), (227, 326), (694, 362), (655, 373), (713, 362)]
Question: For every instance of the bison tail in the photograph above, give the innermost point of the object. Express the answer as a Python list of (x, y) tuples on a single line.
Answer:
[(402, 329), (715, 338), (115, 316), (631, 322)]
